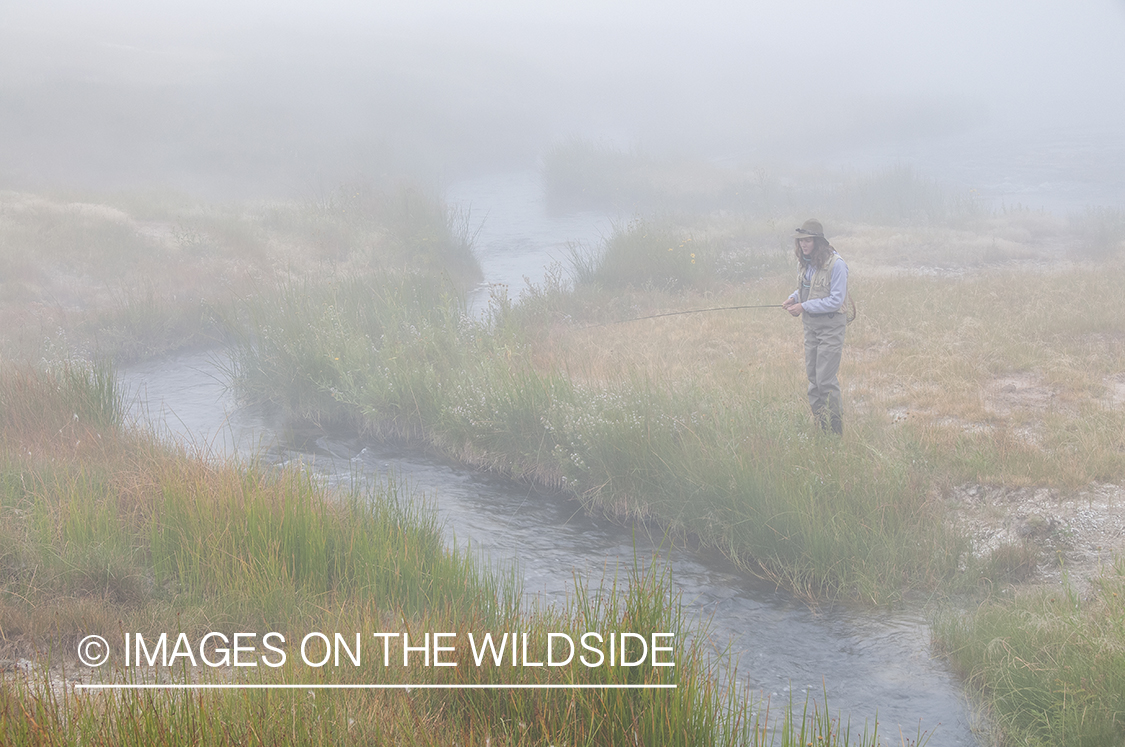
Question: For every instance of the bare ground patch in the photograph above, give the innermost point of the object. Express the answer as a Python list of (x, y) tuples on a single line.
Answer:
[(1076, 533), (1007, 394)]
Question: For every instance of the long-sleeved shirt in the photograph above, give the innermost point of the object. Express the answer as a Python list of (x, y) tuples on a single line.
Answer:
[(837, 290)]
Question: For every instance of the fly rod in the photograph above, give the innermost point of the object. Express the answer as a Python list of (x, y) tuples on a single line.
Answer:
[(688, 311)]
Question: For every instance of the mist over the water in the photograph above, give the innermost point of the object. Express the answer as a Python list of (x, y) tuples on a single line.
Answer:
[(259, 98)]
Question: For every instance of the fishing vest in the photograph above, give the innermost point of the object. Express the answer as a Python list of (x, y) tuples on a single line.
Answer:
[(820, 286)]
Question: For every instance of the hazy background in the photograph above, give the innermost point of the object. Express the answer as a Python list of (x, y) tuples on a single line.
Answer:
[(1022, 98)]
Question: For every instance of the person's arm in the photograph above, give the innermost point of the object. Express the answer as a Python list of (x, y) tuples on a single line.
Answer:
[(837, 290)]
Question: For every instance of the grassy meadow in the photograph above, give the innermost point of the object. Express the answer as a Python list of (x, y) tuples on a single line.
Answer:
[(986, 361)]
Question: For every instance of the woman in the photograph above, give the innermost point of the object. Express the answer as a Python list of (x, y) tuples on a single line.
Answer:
[(822, 286)]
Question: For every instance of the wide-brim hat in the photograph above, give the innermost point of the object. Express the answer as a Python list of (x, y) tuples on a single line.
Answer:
[(810, 229)]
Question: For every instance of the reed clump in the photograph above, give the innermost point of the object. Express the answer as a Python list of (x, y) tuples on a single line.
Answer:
[(671, 253), (1049, 663)]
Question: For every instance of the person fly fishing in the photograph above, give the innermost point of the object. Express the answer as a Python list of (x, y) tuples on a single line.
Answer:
[(820, 301)]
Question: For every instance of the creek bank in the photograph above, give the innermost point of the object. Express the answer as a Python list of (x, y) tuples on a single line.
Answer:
[(865, 659)]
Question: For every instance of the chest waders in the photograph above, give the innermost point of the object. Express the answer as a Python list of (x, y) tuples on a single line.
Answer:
[(824, 347)]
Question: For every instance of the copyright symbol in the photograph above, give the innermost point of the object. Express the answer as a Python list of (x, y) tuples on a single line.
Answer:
[(93, 651)]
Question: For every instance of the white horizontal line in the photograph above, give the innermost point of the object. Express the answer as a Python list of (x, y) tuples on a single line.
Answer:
[(239, 686)]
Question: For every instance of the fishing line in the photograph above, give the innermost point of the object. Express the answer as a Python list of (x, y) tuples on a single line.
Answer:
[(688, 311)]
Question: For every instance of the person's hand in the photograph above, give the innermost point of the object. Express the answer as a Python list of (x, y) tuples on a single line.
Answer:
[(788, 302), (794, 310)]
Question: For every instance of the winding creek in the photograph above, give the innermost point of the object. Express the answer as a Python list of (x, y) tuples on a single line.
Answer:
[(870, 663)]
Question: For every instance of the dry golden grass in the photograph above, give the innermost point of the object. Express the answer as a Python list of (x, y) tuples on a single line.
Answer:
[(1028, 355)]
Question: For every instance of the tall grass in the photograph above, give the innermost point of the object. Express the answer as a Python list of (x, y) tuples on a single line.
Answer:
[(104, 514), (407, 226), (84, 396), (648, 252), (662, 254), (1050, 664), (309, 347)]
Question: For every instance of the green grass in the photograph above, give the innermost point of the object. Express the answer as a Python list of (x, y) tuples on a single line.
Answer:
[(1050, 665), (648, 252)]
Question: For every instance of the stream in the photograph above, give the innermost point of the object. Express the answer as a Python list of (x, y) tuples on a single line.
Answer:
[(869, 663)]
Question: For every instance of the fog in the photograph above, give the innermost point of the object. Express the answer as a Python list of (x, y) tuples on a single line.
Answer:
[(269, 98)]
